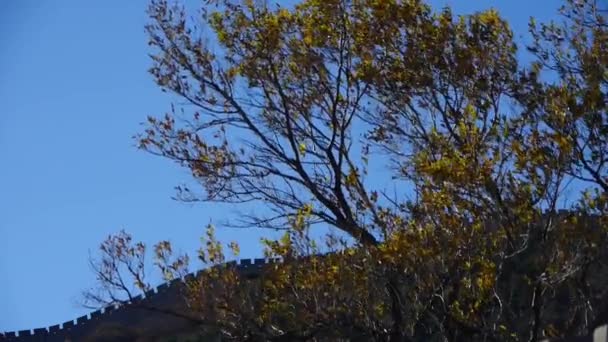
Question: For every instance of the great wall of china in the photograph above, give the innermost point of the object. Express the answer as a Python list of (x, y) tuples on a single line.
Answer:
[(140, 321), (137, 316)]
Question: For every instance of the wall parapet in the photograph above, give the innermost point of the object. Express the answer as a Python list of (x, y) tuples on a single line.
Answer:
[(59, 332), (249, 267)]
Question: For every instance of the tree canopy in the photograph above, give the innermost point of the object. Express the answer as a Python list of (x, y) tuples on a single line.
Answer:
[(301, 110)]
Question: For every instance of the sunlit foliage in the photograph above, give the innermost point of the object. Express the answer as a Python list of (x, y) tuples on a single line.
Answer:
[(301, 110)]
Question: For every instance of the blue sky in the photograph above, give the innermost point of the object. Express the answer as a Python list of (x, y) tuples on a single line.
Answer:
[(74, 87)]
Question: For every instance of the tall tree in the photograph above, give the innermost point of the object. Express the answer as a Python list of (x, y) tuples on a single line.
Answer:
[(290, 108)]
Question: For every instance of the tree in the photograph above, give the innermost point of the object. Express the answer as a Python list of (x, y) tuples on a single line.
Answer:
[(290, 107)]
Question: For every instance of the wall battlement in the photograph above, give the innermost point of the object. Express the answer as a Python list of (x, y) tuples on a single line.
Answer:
[(87, 324), (164, 295)]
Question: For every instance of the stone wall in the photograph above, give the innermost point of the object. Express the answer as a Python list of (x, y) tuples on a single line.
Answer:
[(131, 322)]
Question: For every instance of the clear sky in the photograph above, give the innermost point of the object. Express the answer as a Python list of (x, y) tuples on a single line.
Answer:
[(73, 89)]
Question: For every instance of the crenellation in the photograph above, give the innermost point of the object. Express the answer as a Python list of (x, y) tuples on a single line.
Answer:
[(137, 299), (81, 319), (67, 325), (114, 313), (150, 292), (259, 261), (79, 329), (175, 282), (40, 331), (95, 314), (108, 309), (22, 333)]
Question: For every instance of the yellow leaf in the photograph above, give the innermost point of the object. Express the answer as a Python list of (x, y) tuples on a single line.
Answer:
[(302, 148)]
